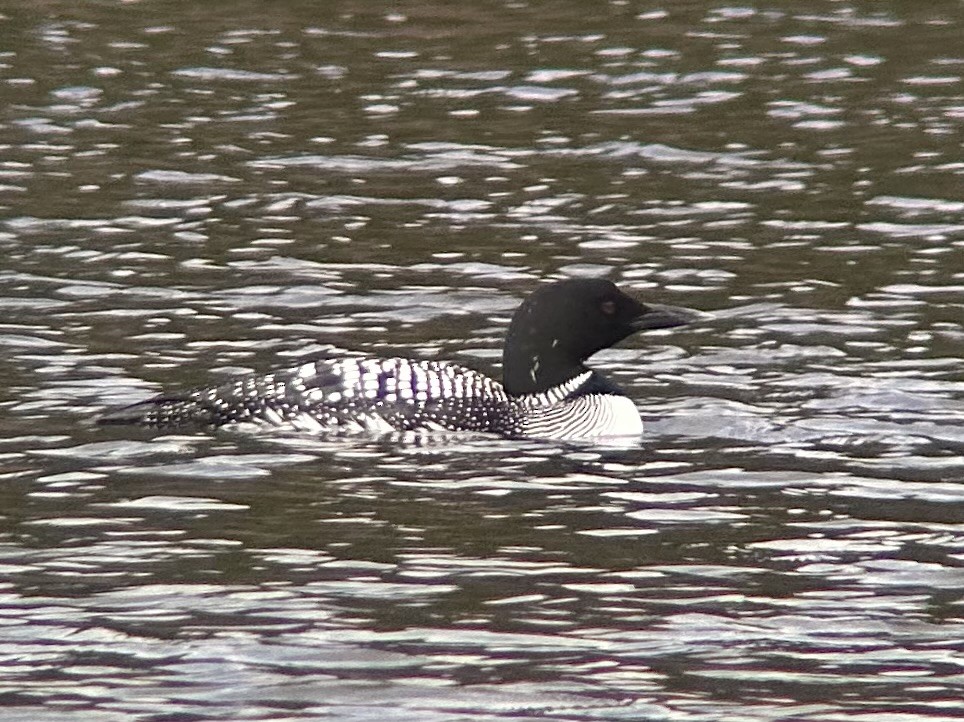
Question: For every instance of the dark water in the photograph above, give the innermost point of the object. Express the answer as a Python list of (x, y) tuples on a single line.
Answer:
[(190, 190)]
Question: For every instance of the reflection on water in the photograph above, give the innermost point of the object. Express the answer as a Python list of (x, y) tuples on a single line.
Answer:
[(189, 195)]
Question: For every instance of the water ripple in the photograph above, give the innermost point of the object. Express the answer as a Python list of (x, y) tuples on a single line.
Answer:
[(188, 197)]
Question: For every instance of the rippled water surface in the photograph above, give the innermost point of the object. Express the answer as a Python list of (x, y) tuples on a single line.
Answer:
[(189, 191)]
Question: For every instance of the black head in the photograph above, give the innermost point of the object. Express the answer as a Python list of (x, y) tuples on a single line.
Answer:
[(562, 324)]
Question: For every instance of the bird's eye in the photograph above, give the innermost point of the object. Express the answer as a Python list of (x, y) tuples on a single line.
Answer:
[(608, 307)]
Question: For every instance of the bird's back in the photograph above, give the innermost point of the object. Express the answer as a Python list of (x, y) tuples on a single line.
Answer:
[(353, 394)]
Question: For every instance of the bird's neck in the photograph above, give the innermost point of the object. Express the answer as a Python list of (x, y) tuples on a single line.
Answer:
[(531, 365)]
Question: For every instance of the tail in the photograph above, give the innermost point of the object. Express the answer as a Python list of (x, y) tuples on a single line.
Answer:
[(160, 412), (264, 397)]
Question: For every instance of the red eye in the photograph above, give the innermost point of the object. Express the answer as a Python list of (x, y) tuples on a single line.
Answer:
[(608, 307)]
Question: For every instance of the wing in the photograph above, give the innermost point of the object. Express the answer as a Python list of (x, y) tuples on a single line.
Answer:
[(379, 395)]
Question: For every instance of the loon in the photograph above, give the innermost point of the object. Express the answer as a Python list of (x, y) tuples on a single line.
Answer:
[(547, 390)]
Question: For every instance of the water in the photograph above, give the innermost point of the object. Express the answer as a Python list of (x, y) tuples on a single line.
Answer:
[(188, 193)]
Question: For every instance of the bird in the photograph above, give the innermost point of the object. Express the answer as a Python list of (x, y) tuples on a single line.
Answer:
[(547, 391)]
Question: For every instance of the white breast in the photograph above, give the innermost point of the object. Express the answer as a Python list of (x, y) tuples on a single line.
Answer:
[(585, 417)]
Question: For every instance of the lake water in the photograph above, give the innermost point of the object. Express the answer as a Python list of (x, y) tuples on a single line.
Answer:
[(190, 191)]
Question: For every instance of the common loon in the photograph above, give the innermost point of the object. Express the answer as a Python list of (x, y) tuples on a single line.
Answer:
[(547, 390)]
